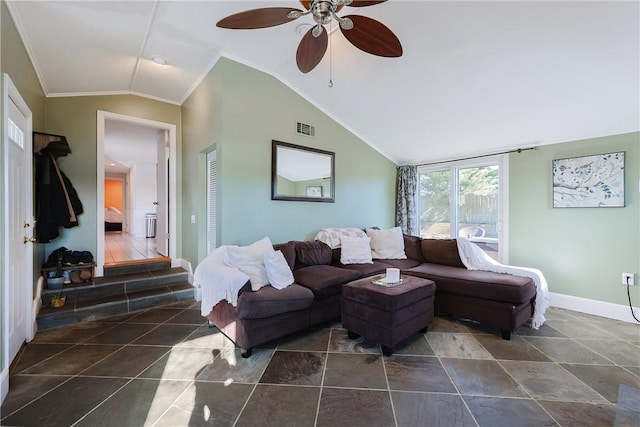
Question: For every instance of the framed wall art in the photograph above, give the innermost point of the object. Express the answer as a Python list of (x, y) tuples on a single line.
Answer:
[(589, 182), (314, 191)]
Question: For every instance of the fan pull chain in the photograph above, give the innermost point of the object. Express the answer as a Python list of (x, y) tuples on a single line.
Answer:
[(330, 57)]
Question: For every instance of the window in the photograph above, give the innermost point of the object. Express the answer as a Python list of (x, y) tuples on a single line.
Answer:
[(15, 134), (465, 199)]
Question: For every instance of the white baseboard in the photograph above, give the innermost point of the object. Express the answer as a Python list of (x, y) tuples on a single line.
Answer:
[(187, 266), (4, 384), (597, 308), (35, 309)]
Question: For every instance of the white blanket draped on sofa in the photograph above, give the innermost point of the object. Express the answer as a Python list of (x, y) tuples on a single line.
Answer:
[(475, 258), (218, 280)]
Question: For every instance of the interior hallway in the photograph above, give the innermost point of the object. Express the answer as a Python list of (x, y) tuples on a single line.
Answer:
[(121, 247)]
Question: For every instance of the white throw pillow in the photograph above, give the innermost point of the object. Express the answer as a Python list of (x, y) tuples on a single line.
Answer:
[(278, 271), (355, 250), (250, 260), (387, 244), (332, 236)]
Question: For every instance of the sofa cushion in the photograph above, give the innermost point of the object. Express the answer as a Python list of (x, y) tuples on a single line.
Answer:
[(386, 244), (388, 299), (335, 256), (441, 251), (278, 271), (250, 260), (324, 280), (269, 301), (356, 250), (402, 264), (413, 247), (478, 284), (312, 253), (376, 267), (333, 236), (289, 252)]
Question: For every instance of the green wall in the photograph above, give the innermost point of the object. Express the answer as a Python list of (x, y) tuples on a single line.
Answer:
[(241, 110), (16, 63), (581, 251), (76, 118), (201, 127)]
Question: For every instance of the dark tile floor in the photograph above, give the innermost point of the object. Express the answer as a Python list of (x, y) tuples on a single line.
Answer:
[(165, 367)]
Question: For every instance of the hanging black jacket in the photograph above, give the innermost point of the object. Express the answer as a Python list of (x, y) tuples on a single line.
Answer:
[(57, 202)]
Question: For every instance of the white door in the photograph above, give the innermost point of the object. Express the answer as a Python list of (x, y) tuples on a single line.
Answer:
[(18, 279), (162, 203)]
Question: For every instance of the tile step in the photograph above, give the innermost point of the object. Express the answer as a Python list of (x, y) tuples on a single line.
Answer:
[(101, 307), (137, 266), (116, 286)]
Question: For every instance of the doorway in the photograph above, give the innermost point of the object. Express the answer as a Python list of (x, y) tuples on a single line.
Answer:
[(146, 166), (466, 199)]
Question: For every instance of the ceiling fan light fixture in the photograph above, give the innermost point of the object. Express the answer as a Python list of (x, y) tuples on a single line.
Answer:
[(345, 23), (322, 11), (368, 35), (317, 31)]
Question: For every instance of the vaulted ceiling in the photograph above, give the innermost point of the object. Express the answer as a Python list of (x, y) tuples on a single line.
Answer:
[(475, 76)]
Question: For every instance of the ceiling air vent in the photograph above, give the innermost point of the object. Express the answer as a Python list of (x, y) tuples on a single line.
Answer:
[(305, 129)]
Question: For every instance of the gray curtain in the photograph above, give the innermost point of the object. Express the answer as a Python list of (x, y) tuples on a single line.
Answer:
[(406, 215)]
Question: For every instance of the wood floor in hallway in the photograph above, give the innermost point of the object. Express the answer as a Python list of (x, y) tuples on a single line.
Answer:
[(121, 247)]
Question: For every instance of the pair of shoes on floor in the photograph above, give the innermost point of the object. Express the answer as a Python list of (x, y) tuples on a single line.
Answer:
[(79, 276)]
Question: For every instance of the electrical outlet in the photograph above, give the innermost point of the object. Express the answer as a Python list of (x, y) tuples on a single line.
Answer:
[(628, 279)]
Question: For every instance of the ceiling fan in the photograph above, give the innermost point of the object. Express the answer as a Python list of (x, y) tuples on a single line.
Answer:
[(364, 33)]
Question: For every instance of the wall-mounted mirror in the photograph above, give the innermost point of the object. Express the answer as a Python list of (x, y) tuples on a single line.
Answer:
[(301, 173)]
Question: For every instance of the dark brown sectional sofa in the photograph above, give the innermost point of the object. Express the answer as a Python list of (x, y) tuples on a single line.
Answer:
[(501, 301)]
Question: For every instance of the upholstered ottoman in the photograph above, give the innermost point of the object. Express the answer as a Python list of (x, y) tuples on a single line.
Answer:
[(387, 314)]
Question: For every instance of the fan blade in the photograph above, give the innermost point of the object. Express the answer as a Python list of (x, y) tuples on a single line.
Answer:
[(257, 18), (372, 36), (311, 50), (358, 3)]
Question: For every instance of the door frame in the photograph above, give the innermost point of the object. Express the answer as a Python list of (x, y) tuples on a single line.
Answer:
[(124, 179), (102, 117), (162, 189), (10, 92)]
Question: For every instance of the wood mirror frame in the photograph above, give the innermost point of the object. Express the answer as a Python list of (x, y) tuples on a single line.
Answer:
[(302, 173)]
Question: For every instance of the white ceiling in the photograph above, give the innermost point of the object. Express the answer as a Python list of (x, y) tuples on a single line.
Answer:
[(126, 144), (475, 77)]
